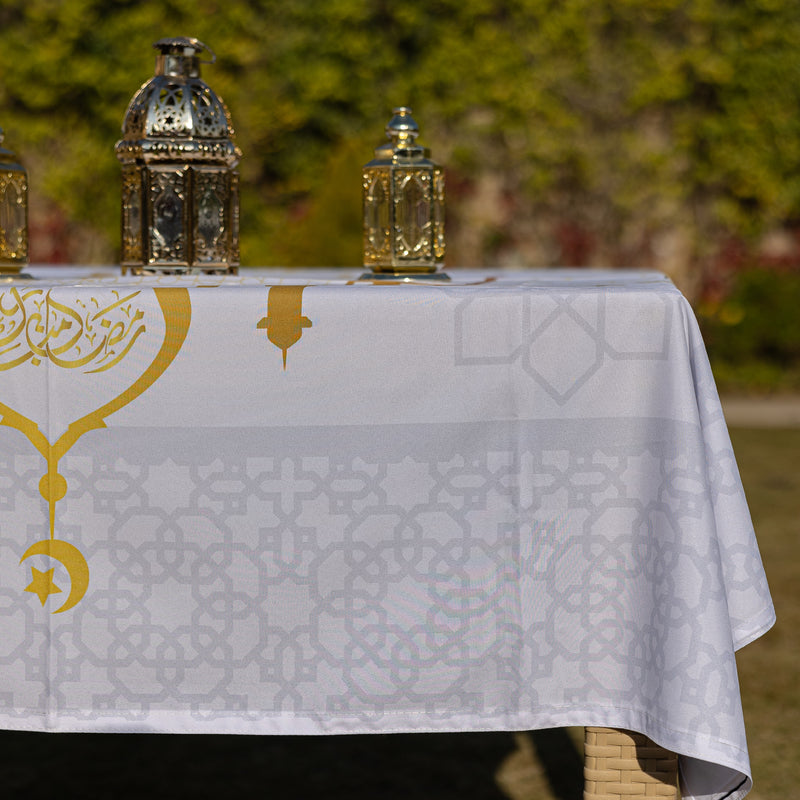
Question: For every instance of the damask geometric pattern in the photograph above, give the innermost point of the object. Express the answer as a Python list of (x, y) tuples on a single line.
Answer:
[(432, 583), (551, 320)]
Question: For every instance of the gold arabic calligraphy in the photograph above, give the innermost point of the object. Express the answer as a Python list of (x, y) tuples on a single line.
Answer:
[(34, 327)]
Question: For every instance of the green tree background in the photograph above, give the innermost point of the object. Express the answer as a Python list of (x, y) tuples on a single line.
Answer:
[(625, 132)]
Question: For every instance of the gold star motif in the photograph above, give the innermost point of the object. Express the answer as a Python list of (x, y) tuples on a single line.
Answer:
[(42, 584)]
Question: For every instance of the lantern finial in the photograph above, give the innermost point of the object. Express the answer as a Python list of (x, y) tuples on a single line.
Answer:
[(402, 127)]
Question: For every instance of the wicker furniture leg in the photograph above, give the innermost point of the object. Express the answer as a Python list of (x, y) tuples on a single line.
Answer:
[(620, 764)]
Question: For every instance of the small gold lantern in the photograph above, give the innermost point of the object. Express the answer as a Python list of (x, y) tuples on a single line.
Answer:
[(13, 213), (403, 194), (180, 187)]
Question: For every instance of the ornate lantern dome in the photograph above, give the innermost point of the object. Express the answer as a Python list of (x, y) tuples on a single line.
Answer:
[(179, 183), (177, 104)]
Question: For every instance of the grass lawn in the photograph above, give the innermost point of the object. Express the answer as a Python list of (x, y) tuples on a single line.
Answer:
[(769, 462)]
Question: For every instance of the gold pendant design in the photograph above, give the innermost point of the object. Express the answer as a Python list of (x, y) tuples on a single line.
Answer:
[(284, 322), (34, 327)]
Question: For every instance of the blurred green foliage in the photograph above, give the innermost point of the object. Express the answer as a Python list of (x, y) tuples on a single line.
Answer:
[(626, 117), (753, 333)]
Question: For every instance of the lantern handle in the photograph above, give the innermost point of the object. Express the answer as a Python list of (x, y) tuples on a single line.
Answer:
[(177, 45)]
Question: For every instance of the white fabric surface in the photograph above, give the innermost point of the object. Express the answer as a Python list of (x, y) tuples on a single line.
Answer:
[(507, 502)]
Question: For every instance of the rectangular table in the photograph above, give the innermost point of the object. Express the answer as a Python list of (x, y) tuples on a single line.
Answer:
[(293, 503)]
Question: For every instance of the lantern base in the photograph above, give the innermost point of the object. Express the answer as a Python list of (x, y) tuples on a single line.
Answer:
[(404, 277), (172, 270), (13, 273)]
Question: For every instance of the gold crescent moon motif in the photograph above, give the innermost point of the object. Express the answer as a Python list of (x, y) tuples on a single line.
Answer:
[(72, 559)]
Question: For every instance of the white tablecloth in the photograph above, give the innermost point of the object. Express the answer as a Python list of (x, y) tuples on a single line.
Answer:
[(287, 503)]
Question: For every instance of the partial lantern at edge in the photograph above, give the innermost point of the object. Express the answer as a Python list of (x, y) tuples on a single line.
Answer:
[(180, 186), (13, 213), (403, 199)]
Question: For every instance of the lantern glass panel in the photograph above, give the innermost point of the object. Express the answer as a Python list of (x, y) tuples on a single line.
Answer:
[(169, 210), (13, 233), (167, 231), (13, 213), (377, 213), (132, 215), (211, 191), (209, 219), (413, 212), (12, 217), (438, 215)]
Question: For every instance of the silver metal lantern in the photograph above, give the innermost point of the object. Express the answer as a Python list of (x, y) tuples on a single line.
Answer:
[(180, 186), (13, 213), (403, 196)]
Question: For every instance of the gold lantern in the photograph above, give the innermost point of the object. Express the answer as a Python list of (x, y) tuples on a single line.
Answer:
[(180, 187), (13, 213), (403, 194)]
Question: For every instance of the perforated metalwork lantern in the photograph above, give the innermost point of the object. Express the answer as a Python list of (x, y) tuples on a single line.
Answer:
[(403, 194), (13, 213), (180, 187)]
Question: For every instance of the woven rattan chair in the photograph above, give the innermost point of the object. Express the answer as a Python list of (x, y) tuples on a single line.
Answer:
[(621, 765)]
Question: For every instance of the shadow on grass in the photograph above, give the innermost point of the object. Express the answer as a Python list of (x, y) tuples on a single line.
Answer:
[(123, 766), (389, 767), (561, 762)]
